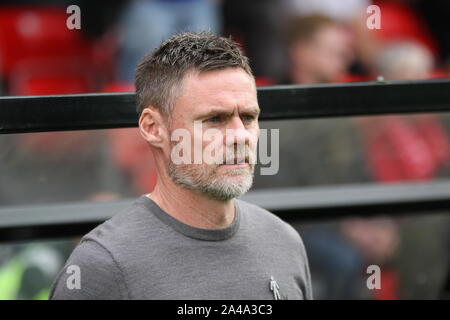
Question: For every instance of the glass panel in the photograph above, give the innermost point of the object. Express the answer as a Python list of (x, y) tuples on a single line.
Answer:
[(411, 254), (378, 149), (72, 166)]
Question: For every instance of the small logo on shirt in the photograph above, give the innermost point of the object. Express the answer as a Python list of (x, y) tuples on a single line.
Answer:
[(275, 288)]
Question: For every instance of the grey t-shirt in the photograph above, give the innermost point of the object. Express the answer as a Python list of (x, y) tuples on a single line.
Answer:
[(145, 253)]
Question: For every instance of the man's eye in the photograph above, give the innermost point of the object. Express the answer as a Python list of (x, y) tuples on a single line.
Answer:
[(248, 118), (213, 119)]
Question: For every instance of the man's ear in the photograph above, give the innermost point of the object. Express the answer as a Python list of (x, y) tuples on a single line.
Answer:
[(152, 127)]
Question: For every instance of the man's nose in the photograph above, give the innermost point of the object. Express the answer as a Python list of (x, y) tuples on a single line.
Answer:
[(236, 132)]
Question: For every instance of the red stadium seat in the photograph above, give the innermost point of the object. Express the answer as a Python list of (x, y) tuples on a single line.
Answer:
[(264, 81), (119, 87), (350, 77), (42, 77), (439, 74), (37, 33), (52, 85)]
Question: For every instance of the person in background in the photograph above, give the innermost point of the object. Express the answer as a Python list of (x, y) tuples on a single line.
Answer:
[(406, 148), (320, 50), (351, 15), (258, 26), (145, 23), (326, 151)]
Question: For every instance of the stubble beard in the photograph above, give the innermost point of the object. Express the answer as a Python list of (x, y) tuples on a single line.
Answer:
[(206, 179)]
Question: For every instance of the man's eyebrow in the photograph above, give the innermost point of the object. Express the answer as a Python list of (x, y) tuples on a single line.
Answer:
[(224, 112), (253, 111), (215, 112)]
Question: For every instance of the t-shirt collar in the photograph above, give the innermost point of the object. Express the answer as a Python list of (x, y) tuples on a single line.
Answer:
[(193, 232)]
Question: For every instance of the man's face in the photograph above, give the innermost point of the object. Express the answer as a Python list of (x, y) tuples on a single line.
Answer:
[(327, 55), (223, 100)]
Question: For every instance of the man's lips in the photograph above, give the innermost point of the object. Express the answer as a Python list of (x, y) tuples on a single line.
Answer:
[(243, 164), (236, 162)]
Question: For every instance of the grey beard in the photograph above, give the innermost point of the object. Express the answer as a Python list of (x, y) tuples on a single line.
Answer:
[(201, 180)]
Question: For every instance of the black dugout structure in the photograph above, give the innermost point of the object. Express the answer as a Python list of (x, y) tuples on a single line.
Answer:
[(117, 110)]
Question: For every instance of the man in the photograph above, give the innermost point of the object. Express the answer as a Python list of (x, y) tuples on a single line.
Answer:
[(189, 238), (319, 50)]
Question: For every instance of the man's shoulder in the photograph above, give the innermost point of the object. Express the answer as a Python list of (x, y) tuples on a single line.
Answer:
[(92, 270), (260, 214), (104, 253), (125, 227), (265, 220)]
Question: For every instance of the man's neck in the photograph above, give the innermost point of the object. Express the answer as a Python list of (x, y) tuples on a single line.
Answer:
[(192, 208)]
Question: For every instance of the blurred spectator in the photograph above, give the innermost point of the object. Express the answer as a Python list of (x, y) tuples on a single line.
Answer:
[(352, 15), (320, 50), (402, 148), (145, 23), (27, 270), (405, 60), (258, 26), (405, 148), (342, 10)]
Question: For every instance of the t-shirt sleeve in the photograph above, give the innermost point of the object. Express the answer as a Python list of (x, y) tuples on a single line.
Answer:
[(308, 285), (91, 273)]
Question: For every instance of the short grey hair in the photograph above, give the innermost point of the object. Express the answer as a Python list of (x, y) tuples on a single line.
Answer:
[(160, 73)]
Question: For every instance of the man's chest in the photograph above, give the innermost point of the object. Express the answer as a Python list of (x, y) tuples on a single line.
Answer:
[(218, 275)]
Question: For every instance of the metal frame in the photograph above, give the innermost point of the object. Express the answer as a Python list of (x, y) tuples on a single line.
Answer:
[(291, 204), (116, 110)]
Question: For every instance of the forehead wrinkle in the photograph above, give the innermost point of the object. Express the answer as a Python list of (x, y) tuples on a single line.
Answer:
[(200, 91)]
